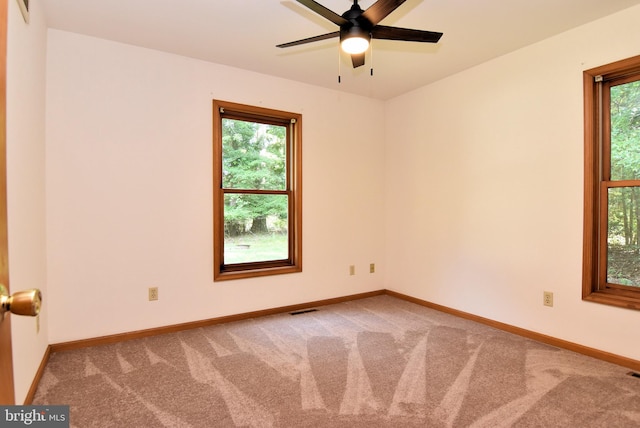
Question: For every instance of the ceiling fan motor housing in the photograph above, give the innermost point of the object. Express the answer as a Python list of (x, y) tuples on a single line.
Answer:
[(358, 25), (354, 31)]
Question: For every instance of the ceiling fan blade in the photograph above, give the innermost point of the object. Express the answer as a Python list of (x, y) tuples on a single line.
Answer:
[(406, 34), (309, 40), (357, 60), (380, 9), (324, 12)]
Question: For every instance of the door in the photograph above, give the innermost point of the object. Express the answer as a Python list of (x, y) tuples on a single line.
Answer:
[(6, 360)]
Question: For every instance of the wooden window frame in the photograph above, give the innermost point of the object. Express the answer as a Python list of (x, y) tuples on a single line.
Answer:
[(293, 189), (597, 181)]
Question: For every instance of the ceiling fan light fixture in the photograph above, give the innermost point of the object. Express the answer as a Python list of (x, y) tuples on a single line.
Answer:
[(355, 45), (354, 40)]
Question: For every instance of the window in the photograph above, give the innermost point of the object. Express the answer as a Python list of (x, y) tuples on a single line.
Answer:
[(257, 179), (611, 259)]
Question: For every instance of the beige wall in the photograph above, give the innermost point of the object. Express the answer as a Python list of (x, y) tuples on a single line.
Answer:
[(484, 195), (129, 176), (26, 52)]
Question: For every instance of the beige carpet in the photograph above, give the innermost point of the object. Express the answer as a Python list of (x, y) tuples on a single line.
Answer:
[(375, 362)]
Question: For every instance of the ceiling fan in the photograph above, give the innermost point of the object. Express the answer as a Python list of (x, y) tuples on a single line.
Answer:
[(358, 27)]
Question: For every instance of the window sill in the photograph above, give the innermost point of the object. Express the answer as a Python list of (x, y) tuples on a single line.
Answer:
[(241, 274), (613, 298)]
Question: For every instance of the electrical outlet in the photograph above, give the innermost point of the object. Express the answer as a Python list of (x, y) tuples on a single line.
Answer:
[(153, 293), (372, 268), (352, 270), (547, 298)]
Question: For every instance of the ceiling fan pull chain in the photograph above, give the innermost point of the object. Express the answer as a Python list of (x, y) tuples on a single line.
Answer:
[(339, 68), (371, 55)]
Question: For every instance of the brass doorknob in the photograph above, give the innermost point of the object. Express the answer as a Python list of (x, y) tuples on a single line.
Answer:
[(25, 302)]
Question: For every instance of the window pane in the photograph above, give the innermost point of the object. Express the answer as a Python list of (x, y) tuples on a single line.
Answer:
[(623, 256), (625, 131), (255, 228), (253, 155)]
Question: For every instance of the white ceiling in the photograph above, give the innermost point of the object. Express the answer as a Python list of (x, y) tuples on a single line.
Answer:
[(243, 33)]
